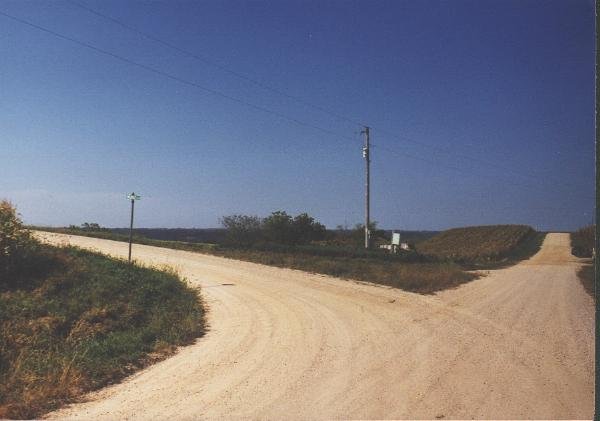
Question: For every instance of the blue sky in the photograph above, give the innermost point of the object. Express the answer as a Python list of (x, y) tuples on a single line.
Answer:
[(481, 112)]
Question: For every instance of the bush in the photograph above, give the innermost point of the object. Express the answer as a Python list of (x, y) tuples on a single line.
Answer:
[(582, 241), (16, 243), (242, 229), (277, 228)]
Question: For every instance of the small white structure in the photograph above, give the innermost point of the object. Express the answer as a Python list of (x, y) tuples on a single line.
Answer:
[(396, 244)]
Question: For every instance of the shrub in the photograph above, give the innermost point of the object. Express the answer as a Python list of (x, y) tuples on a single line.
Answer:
[(582, 241), (305, 229), (376, 236), (16, 243), (242, 229), (278, 228)]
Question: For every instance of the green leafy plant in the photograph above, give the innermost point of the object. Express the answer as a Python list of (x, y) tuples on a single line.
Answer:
[(16, 243)]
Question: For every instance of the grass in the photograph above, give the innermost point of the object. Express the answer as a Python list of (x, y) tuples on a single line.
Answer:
[(586, 276), (484, 246), (582, 245), (421, 277), (78, 321), (408, 271), (582, 241), (443, 261)]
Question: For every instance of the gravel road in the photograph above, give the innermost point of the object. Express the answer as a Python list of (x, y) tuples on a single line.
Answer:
[(285, 344)]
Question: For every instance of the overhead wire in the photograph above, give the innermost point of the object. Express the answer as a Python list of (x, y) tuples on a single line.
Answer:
[(206, 60), (174, 77), (227, 96), (450, 167), (212, 63)]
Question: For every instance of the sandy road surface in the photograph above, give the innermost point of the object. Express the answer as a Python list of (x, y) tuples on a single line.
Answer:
[(285, 344)]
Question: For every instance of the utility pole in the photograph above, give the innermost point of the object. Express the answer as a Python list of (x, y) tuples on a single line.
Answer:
[(133, 197), (367, 185)]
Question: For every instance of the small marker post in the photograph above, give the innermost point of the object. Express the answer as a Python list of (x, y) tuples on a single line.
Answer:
[(133, 197)]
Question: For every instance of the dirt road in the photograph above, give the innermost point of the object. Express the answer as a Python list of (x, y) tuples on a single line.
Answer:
[(286, 344)]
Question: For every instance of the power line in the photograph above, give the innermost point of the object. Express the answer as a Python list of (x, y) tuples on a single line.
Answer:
[(173, 77), (457, 169), (206, 60), (223, 95), (209, 62), (450, 151)]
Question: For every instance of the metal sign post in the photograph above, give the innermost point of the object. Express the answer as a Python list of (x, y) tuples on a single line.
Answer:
[(133, 197)]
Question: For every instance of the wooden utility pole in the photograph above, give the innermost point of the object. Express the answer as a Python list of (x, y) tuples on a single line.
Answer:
[(367, 186)]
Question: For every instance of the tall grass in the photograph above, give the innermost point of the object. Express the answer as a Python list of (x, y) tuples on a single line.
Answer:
[(583, 241), (421, 277), (586, 277), (483, 244), (83, 322)]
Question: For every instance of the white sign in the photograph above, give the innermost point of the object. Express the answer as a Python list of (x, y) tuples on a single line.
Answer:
[(396, 238)]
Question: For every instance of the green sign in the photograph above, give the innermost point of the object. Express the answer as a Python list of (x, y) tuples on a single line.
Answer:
[(133, 196)]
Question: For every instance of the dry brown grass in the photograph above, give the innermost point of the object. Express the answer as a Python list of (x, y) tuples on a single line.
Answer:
[(582, 241), (480, 244), (420, 277)]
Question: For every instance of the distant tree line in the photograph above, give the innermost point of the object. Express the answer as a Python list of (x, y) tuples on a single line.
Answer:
[(278, 228), (282, 228), (88, 226), (344, 235)]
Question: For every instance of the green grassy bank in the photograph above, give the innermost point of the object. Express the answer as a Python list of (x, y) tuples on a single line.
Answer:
[(75, 321)]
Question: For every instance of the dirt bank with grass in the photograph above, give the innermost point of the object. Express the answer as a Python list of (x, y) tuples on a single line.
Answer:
[(285, 344), (75, 321)]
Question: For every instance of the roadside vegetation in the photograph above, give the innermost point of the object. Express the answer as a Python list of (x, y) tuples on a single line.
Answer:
[(301, 242), (398, 272), (583, 241), (72, 321), (582, 245), (486, 246)]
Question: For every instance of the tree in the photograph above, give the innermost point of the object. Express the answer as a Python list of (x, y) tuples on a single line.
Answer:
[(305, 229), (87, 226), (278, 228), (242, 229)]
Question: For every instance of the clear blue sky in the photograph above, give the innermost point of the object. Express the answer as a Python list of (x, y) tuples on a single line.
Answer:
[(491, 104)]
